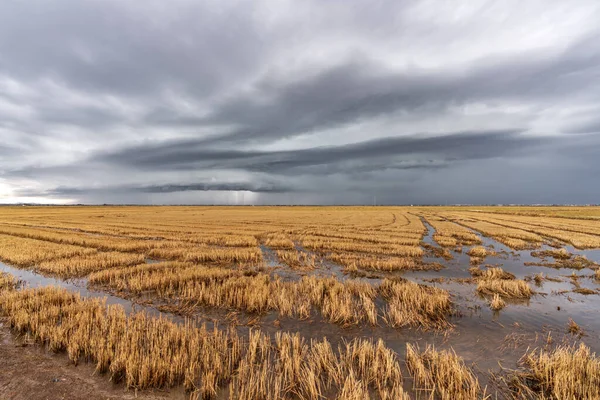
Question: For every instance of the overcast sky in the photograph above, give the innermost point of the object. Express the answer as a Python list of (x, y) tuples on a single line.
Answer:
[(295, 102)]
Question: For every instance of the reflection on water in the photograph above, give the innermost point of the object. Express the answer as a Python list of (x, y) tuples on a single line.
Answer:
[(480, 329), (481, 336), (590, 254), (32, 279), (323, 267)]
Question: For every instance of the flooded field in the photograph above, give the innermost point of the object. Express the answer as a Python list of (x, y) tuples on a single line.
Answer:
[(367, 302)]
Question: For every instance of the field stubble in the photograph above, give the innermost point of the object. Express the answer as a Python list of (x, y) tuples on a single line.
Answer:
[(212, 258)]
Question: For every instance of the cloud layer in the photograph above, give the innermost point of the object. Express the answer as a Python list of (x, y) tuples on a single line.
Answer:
[(281, 102)]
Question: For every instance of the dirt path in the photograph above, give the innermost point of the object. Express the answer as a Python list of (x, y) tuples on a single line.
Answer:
[(31, 373)]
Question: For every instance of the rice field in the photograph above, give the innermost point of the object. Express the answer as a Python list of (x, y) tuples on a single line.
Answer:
[(312, 302)]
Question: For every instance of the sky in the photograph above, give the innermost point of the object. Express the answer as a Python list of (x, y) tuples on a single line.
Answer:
[(299, 102)]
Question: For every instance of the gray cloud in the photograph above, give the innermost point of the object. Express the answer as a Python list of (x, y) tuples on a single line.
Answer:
[(167, 188), (108, 101), (111, 47), (451, 146), (589, 126), (360, 89)]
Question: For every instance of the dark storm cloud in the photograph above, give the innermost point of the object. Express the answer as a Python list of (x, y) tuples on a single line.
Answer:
[(452, 146), (167, 188), (480, 180), (251, 187), (128, 101), (359, 89)]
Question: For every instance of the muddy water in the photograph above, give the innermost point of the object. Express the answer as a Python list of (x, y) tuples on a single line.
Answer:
[(480, 332), (483, 338), (275, 268), (31, 279), (591, 254), (322, 268)]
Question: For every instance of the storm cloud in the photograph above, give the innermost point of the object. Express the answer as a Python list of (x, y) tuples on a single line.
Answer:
[(280, 102)]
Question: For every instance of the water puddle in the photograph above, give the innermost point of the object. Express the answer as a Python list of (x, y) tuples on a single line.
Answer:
[(428, 238), (590, 254), (31, 279), (322, 267), (480, 336), (457, 267), (275, 268), (549, 310)]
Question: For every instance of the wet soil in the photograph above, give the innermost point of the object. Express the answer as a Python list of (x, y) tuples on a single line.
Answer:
[(29, 372), (487, 340)]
